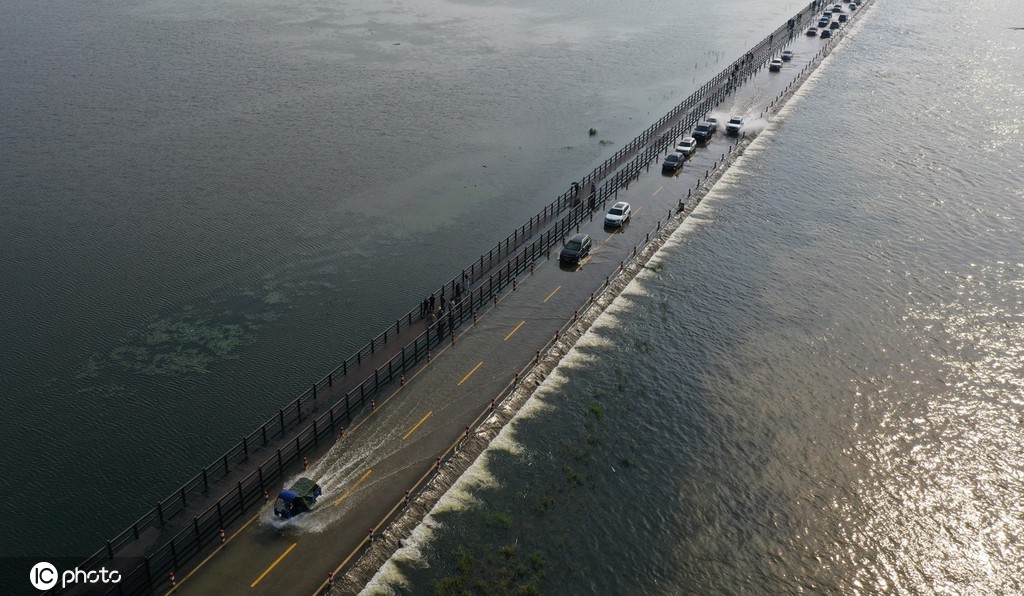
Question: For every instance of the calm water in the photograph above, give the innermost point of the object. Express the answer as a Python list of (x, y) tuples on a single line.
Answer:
[(818, 386), (205, 206)]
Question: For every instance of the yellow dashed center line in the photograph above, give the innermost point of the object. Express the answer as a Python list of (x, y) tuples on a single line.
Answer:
[(585, 261), (510, 334), (207, 559), (360, 481), (657, 191), (553, 292), (422, 420), (272, 565), (470, 373)]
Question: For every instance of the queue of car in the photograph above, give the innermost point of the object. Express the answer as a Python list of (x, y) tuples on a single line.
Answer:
[(578, 247)]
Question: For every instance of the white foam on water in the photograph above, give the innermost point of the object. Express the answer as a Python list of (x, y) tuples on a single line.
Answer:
[(410, 553), (461, 496)]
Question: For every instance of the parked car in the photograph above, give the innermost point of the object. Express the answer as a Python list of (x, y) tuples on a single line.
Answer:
[(575, 250), (775, 65), (787, 55), (704, 131), (842, 18), (687, 146), (837, 8), (823, 22), (825, 34), (812, 32), (672, 162), (618, 215), (835, 25)]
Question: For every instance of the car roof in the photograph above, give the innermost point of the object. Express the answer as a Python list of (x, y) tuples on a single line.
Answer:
[(690, 139), (620, 205), (579, 238)]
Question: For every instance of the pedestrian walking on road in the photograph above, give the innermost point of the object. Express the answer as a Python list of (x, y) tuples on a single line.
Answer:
[(442, 302), (431, 303), (465, 282)]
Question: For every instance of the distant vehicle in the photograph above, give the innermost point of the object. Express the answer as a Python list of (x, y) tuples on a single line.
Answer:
[(823, 23), (837, 8), (842, 18), (853, 7), (834, 25), (775, 65), (825, 34), (827, 15), (618, 215), (787, 55), (812, 32), (297, 499), (687, 146), (672, 162), (713, 122), (575, 250), (704, 131), (734, 125)]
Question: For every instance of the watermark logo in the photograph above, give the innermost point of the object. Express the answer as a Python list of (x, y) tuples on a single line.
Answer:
[(45, 576)]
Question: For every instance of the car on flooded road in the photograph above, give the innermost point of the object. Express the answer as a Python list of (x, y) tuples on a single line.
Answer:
[(672, 163), (734, 126), (618, 215), (687, 146), (787, 55), (703, 132), (575, 250), (775, 65)]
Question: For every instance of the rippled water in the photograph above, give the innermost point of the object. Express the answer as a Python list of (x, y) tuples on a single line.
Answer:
[(205, 206), (818, 386)]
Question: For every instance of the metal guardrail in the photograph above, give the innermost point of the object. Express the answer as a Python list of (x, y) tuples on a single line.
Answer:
[(560, 217)]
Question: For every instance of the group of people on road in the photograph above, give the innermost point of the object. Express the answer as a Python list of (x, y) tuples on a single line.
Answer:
[(436, 305)]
